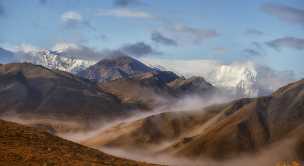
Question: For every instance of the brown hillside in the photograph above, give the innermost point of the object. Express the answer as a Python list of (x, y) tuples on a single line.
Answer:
[(21, 145)]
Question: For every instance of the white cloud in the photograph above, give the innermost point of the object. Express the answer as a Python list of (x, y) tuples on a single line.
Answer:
[(72, 19), (79, 51), (71, 16), (25, 48), (63, 46), (124, 12)]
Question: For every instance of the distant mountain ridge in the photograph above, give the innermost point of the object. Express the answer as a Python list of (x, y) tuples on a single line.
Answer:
[(135, 82), (51, 59), (55, 60), (241, 79)]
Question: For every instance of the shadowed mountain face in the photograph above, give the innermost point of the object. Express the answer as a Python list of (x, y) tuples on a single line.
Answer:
[(157, 88), (31, 90), (220, 131), (21, 145), (197, 85), (146, 90)]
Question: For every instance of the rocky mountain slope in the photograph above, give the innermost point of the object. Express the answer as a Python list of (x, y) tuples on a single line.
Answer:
[(21, 145), (226, 131), (115, 67), (35, 91), (154, 89), (134, 82)]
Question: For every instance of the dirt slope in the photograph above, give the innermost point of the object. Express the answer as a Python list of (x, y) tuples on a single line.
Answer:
[(21, 145)]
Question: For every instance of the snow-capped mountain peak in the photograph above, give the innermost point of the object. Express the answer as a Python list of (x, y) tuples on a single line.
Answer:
[(246, 79), (53, 59)]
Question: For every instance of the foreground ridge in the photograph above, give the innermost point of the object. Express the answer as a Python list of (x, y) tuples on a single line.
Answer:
[(21, 145)]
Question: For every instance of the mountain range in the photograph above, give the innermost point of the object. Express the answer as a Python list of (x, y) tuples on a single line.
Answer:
[(121, 103), (135, 82), (240, 79)]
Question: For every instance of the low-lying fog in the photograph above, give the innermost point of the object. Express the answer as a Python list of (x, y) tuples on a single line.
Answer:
[(267, 157)]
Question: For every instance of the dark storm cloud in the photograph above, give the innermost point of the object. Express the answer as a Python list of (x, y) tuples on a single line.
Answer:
[(285, 13), (287, 42), (138, 49), (161, 39), (125, 3)]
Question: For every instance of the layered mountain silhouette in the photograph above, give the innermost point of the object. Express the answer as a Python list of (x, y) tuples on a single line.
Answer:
[(29, 91), (117, 87), (225, 131), (135, 82), (22, 145), (240, 79)]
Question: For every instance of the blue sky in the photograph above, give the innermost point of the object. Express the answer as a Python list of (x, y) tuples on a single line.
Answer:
[(269, 32)]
